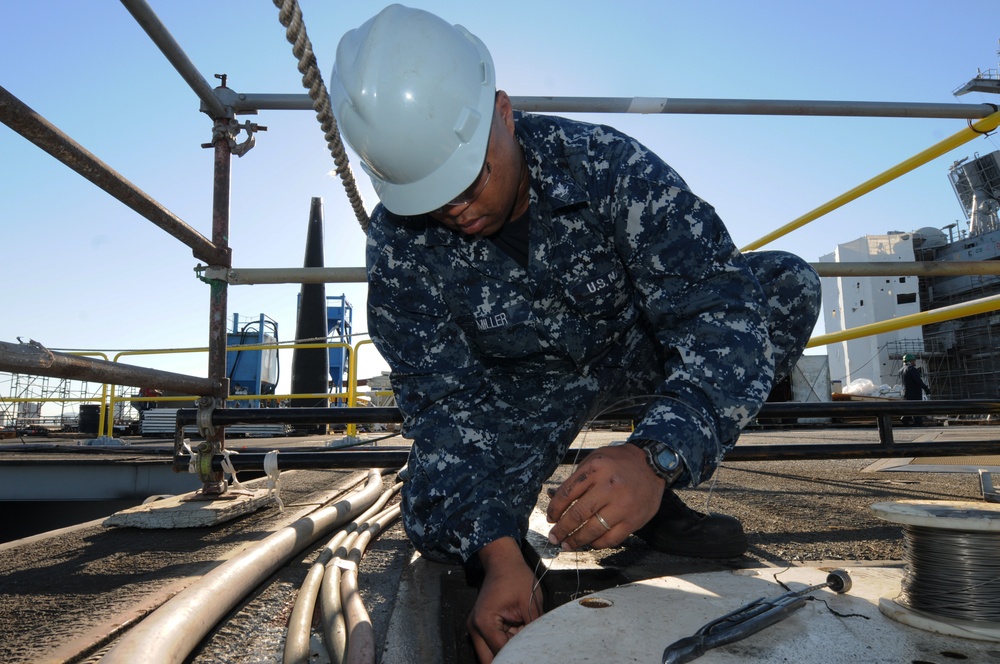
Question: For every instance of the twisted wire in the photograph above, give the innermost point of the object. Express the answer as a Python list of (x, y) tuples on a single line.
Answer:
[(952, 573), (290, 16), (540, 568)]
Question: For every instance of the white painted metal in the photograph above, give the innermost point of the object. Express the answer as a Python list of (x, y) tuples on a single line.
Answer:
[(966, 515), (850, 302), (639, 620)]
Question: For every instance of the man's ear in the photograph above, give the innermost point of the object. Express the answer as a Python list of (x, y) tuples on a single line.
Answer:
[(506, 110)]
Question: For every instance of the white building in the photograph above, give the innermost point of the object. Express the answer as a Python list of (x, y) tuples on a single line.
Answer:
[(849, 302)]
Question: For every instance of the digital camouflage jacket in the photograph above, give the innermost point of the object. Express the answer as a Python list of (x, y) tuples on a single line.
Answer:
[(633, 287)]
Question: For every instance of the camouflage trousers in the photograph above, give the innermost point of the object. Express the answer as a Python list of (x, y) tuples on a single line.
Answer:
[(630, 373)]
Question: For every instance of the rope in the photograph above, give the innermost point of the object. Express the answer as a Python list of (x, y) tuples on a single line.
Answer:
[(290, 16), (227, 467), (192, 456), (273, 477)]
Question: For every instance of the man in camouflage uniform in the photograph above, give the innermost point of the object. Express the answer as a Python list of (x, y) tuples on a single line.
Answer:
[(575, 270)]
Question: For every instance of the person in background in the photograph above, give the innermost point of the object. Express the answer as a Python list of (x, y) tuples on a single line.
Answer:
[(914, 387), (526, 272)]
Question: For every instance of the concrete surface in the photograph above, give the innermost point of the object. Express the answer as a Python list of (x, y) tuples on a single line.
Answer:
[(636, 622)]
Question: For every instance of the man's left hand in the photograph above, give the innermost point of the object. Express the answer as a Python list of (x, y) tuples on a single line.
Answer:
[(610, 495)]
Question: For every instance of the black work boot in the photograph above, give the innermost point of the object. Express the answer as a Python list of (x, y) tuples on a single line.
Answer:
[(679, 530)]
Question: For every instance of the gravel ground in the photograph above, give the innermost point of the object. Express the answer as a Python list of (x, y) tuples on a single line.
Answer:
[(798, 512), (54, 591)]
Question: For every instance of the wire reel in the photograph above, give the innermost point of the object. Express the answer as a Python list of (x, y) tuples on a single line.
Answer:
[(952, 580)]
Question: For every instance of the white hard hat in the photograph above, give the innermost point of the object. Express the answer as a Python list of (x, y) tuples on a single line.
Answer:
[(413, 96)]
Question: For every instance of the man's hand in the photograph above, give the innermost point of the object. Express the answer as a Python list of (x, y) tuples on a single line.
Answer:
[(610, 495), (508, 600)]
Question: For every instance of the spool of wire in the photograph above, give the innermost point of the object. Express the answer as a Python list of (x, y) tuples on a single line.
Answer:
[(952, 579)]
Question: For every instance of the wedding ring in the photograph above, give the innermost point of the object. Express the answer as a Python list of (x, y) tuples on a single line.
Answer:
[(602, 521)]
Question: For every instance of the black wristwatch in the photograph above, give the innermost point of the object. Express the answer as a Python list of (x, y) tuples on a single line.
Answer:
[(662, 459)]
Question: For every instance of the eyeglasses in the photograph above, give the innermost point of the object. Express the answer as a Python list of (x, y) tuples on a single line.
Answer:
[(468, 196)]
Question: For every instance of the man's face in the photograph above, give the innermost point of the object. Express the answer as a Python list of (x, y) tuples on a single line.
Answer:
[(488, 202)]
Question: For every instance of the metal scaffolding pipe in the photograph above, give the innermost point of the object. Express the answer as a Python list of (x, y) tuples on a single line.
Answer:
[(750, 107), (29, 124), (321, 415), (906, 269), (385, 457), (395, 457), (342, 275), (214, 482), (334, 275), (248, 102), (355, 415), (150, 22), (37, 360), (296, 275), (251, 102)]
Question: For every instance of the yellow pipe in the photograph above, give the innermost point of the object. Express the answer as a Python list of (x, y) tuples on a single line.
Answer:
[(987, 124), (103, 415), (204, 349), (979, 306), (352, 384)]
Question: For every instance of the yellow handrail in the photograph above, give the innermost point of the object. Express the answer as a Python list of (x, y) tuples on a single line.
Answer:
[(243, 397), (980, 127), (979, 306)]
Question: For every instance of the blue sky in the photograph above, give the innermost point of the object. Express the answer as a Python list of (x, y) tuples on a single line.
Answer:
[(85, 272)]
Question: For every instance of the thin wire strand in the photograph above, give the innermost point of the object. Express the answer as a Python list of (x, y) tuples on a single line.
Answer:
[(621, 403), (952, 573)]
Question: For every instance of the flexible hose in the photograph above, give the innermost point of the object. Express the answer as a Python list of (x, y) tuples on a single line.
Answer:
[(172, 632), (334, 622), (340, 626), (361, 636), (300, 621)]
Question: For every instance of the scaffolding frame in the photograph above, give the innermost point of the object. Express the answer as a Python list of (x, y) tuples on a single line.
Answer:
[(963, 356), (223, 104)]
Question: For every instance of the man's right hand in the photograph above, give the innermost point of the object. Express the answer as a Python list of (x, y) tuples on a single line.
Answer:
[(508, 600)]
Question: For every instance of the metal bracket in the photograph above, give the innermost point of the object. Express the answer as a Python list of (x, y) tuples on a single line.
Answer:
[(203, 461), (206, 406), (210, 273), (986, 485), (229, 131)]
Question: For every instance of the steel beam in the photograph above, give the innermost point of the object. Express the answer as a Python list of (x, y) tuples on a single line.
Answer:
[(29, 124), (39, 361)]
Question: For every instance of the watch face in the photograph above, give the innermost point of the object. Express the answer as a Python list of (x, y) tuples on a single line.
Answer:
[(667, 459)]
